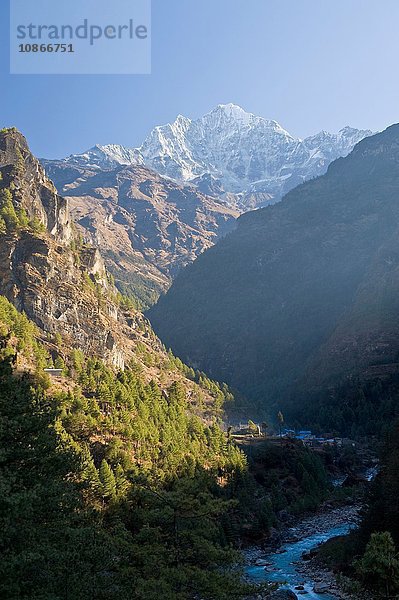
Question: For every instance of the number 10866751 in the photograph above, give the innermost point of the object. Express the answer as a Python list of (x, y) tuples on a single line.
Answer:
[(45, 48)]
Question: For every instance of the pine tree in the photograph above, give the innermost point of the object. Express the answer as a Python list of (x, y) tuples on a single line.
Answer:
[(59, 363), (22, 217), (107, 480), (121, 483), (252, 427)]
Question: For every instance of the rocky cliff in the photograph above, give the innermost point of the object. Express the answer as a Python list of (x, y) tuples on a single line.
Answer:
[(22, 173), (61, 288), (46, 282)]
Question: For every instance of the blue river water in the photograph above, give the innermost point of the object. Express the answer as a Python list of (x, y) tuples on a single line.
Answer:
[(283, 567)]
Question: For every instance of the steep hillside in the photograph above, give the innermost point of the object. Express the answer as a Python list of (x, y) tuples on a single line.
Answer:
[(62, 288), (303, 293), (147, 226), (62, 285), (110, 484), (114, 489)]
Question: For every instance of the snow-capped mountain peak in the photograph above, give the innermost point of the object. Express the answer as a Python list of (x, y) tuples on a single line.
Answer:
[(243, 151), (234, 116), (231, 112)]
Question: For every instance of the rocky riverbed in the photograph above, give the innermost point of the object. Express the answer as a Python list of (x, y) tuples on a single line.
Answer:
[(288, 559)]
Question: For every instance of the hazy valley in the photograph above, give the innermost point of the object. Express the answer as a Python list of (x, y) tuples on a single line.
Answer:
[(293, 306)]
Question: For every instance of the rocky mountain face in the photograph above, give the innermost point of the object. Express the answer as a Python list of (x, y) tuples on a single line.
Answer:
[(252, 160), (146, 225), (61, 289), (304, 293)]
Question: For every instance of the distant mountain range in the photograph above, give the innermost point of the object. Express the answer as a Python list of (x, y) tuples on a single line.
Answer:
[(154, 209), (244, 153), (302, 294)]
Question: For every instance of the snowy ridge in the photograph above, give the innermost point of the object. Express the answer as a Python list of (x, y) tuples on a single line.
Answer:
[(105, 157)]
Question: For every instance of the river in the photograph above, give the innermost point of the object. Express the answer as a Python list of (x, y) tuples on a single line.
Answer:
[(285, 565)]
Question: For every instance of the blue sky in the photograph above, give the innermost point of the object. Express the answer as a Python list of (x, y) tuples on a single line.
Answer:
[(309, 64)]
